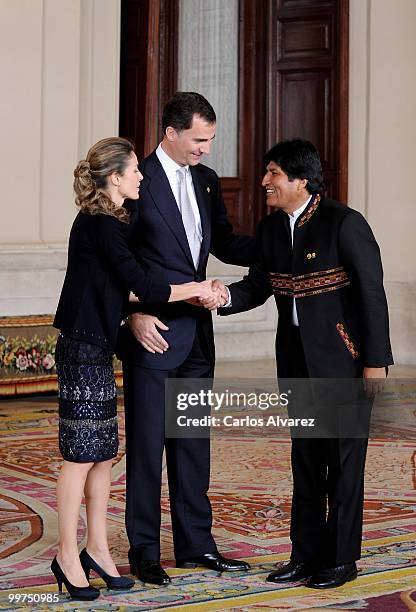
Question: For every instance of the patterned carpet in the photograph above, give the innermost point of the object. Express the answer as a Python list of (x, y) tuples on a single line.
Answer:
[(251, 502)]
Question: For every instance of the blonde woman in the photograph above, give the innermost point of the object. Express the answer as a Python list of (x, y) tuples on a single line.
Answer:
[(100, 274)]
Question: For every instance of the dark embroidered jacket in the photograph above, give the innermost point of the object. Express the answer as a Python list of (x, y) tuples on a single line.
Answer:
[(334, 271)]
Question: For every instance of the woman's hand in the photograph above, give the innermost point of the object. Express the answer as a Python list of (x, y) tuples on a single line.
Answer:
[(221, 296), (204, 294), (204, 290)]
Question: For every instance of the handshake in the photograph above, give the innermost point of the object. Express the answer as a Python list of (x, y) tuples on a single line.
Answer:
[(210, 294)]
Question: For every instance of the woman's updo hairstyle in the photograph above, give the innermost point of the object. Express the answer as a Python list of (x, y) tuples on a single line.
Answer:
[(91, 174)]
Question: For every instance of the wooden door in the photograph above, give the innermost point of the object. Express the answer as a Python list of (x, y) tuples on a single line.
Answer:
[(148, 70), (308, 81), (293, 82)]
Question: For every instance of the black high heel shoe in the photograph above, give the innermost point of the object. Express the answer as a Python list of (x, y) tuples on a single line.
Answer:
[(84, 593), (112, 582)]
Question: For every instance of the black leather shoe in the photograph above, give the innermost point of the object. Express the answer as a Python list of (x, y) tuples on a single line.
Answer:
[(214, 561), (290, 572), (149, 571), (333, 576), (117, 583)]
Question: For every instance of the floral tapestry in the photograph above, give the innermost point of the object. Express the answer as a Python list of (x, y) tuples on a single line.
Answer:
[(27, 355)]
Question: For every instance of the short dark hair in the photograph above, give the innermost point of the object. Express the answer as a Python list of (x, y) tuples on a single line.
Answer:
[(298, 159), (180, 109)]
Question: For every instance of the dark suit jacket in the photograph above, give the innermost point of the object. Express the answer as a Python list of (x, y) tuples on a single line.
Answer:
[(159, 243), (334, 271), (101, 271)]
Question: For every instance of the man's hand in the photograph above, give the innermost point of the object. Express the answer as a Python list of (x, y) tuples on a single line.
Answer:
[(223, 291), (220, 297), (144, 328), (374, 379)]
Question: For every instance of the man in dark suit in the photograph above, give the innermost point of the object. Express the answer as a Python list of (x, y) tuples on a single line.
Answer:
[(321, 261), (181, 219)]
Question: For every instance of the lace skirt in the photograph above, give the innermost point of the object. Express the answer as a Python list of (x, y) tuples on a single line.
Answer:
[(88, 429)]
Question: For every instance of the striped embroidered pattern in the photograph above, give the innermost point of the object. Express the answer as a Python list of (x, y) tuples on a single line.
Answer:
[(313, 283), (309, 211), (347, 340)]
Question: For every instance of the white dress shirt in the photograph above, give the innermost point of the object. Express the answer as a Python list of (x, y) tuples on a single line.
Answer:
[(170, 167), (292, 220)]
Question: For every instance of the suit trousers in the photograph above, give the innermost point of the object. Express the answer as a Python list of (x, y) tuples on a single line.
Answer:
[(328, 489), (188, 462)]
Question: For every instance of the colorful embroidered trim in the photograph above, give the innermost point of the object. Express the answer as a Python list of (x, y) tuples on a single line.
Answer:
[(347, 340), (309, 212), (313, 283)]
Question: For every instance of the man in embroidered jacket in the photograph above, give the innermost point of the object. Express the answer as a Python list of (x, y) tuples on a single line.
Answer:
[(321, 261)]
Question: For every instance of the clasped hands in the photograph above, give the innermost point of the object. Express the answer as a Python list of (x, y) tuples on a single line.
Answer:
[(210, 294), (146, 328)]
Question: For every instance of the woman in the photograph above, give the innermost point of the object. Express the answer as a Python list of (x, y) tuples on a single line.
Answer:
[(101, 271)]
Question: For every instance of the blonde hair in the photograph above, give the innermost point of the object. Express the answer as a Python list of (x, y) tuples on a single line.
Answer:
[(90, 177)]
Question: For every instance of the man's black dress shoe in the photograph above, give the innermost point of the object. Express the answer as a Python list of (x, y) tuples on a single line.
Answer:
[(149, 571), (214, 561), (290, 572), (333, 576)]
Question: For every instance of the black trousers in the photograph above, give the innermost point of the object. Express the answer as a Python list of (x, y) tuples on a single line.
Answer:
[(188, 463), (328, 490)]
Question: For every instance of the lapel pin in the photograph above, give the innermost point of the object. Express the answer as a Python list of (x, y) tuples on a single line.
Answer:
[(208, 189)]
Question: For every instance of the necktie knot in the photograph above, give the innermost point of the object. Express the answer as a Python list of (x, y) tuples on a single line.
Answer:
[(182, 173)]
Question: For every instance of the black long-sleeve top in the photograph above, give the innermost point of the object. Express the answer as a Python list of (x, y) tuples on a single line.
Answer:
[(101, 271)]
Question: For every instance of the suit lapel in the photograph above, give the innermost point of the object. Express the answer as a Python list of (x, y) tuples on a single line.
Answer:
[(164, 200), (204, 204)]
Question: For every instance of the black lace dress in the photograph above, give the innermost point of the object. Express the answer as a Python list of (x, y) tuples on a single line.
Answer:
[(88, 428)]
